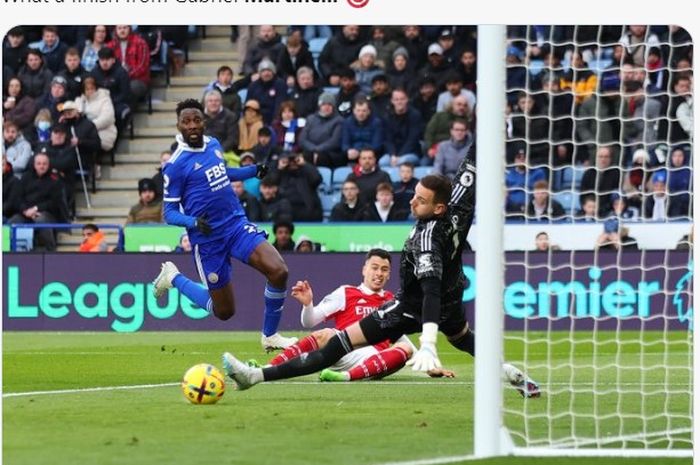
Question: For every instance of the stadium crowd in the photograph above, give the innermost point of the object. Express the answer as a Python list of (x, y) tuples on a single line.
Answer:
[(348, 118)]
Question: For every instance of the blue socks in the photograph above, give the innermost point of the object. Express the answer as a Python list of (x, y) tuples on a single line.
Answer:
[(274, 300), (196, 292)]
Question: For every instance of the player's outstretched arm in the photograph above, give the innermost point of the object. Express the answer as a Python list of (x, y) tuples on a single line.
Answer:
[(241, 174), (464, 187), (175, 217)]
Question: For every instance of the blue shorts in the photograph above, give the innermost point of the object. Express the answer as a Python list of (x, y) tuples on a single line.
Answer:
[(213, 259)]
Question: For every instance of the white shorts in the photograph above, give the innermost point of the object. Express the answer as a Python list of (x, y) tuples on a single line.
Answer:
[(354, 358)]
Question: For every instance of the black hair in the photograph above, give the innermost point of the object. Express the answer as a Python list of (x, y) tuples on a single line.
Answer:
[(224, 68), (283, 223), (440, 185), (105, 53), (264, 131), (381, 253), (91, 226), (16, 31), (189, 103)]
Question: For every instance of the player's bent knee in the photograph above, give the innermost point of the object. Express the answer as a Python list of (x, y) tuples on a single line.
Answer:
[(322, 336)]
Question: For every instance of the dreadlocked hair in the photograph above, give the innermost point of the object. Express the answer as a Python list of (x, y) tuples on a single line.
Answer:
[(188, 103)]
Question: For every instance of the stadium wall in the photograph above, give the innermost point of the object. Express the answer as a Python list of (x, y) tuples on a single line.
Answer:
[(99, 292)]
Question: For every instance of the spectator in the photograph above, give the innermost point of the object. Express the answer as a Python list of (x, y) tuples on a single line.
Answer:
[(516, 73), (656, 204), (306, 245), (229, 94), (365, 68), (438, 128), (96, 105), (35, 76), (451, 152), (158, 177), (40, 132), (250, 204), (455, 87), (62, 154), (367, 175), (338, 53), (220, 122), (588, 212), (615, 237), (40, 196), (184, 245), (681, 110), (622, 210), (543, 244), (305, 94), (579, 79), (636, 40), (415, 44), (541, 206), (637, 177), (111, 76), (299, 182), (384, 46), (135, 57), (294, 56), (403, 126), (51, 48), (348, 93), (594, 124), (384, 209), (362, 129), (349, 208), (601, 180), (321, 138), (426, 100), (249, 125), (380, 97), (400, 71), (446, 41), (273, 207), (640, 114), (83, 132), (467, 69), (17, 106), (269, 90), (268, 45), (288, 126), (405, 187), (16, 150), (265, 151), (530, 125), (679, 179), (149, 209), (10, 190), (74, 73), (252, 185), (520, 179), (686, 242), (283, 231), (658, 72), (96, 40), (55, 96), (14, 49), (559, 107), (437, 67), (94, 240)]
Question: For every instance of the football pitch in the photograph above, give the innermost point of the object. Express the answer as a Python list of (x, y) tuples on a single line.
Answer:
[(107, 398)]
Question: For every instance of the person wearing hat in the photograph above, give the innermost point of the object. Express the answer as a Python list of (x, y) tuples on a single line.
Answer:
[(35, 76), (305, 245), (621, 209), (248, 125), (366, 68), (436, 67), (380, 97), (111, 76), (149, 209), (14, 49), (320, 140), (400, 71), (349, 89), (63, 155), (340, 50), (55, 96), (269, 90), (446, 40), (83, 132)]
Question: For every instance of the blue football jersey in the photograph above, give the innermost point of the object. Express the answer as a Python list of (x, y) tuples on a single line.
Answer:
[(196, 179)]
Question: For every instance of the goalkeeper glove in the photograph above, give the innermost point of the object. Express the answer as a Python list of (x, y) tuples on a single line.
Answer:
[(426, 358), (261, 171), (202, 225)]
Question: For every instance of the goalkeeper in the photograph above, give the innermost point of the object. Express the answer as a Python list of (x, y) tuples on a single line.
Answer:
[(430, 298)]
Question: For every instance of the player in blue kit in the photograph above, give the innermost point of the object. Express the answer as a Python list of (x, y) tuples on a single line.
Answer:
[(197, 195)]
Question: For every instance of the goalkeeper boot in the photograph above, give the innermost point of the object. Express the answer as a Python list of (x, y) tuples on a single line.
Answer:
[(331, 375), (520, 381), (276, 342), (164, 280), (244, 376)]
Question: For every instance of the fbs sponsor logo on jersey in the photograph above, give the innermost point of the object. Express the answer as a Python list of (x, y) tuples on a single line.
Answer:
[(425, 264), (216, 177)]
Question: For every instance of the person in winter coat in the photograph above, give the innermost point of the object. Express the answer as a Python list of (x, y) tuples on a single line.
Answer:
[(35, 77), (17, 106), (320, 139), (16, 150), (96, 105), (299, 182)]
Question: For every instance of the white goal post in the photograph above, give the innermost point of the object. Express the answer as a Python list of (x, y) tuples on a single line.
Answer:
[(606, 334)]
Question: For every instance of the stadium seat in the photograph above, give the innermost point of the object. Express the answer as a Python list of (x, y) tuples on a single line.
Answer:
[(569, 201), (566, 178), (326, 176), (339, 175), (421, 171), (393, 173), (24, 239), (535, 67), (243, 94), (316, 46), (327, 203), (331, 89), (578, 176)]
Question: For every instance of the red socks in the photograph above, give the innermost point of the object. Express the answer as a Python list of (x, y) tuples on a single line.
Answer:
[(384, 363), (305, 345)]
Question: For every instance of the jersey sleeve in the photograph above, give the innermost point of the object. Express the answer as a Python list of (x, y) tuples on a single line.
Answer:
[(428, 257), (173, 183), (464, 189), (331, 304)]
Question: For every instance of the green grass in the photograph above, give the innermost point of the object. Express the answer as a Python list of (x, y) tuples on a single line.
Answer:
[(406, 417)]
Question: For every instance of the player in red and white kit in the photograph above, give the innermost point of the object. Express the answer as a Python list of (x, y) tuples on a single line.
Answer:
[(347, 305)]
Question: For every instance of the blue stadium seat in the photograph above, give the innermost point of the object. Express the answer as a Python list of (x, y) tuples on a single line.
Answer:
[(339, 175), (421, 171), (243, 94), (569, 201), (578, 176), (316, 46), (326, 176), (535, 67), (566, 178), (331, 89), (393, 173), (24, 239), (327, 203)]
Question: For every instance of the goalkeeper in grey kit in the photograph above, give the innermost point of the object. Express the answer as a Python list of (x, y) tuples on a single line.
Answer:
[(430, 297)]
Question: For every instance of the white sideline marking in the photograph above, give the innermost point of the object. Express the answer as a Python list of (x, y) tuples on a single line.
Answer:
[(94, 389)]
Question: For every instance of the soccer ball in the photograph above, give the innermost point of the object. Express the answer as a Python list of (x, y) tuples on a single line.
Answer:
[(203, 384)]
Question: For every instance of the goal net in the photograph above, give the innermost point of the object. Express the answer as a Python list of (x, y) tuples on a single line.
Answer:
[(598, 309)]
